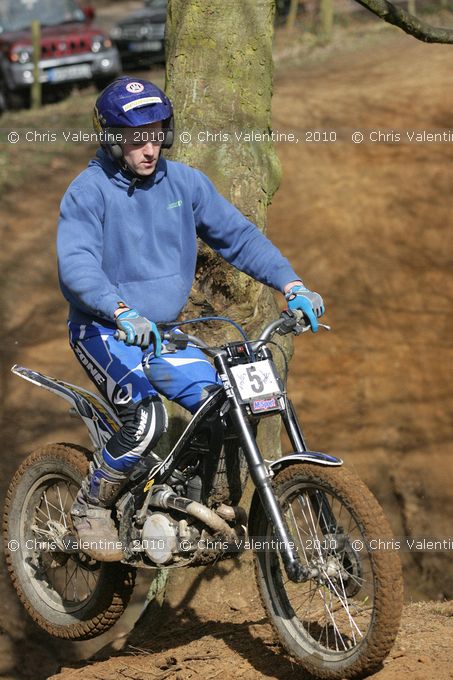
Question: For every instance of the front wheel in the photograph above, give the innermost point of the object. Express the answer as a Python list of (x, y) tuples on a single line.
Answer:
[(342, 622), (69, 595)]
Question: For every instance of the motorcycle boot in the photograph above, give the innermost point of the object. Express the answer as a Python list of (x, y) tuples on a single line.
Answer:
[(91, 515)]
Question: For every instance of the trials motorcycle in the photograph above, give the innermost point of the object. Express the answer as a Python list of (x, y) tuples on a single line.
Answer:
[(333, 600)]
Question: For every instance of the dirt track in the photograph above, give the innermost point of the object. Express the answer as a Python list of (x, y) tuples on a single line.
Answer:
[(227, 635), (369, 226)]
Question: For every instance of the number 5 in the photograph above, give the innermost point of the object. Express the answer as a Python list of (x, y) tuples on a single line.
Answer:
[(256, 383)]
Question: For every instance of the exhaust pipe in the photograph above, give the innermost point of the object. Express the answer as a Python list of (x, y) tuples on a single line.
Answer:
[(167, 499)]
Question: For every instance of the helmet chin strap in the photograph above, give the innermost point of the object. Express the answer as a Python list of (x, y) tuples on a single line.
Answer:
[(135, 176)]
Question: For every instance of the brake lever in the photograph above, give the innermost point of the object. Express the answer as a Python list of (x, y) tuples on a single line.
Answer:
[(175, 340), (304, 329)]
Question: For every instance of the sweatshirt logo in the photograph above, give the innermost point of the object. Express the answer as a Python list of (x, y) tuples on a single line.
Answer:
[(175, 204)]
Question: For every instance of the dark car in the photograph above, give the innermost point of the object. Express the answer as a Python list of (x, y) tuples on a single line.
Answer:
[(73, 51), (140, 36)]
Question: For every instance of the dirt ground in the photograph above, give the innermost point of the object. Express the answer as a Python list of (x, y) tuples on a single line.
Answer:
[(369, 226), (226, 634)]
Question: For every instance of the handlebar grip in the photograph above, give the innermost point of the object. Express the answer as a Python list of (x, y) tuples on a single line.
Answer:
[(303, 323), (300, 318), (298, 313)]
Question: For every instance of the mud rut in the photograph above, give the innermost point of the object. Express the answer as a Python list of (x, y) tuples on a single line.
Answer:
[(370, 223)]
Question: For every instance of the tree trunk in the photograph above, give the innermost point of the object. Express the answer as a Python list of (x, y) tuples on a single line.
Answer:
[(219, 78), (310, 15), (292, 15), (325, 20), (411, 8)]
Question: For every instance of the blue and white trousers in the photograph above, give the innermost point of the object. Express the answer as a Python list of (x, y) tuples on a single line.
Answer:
[(131, 379)]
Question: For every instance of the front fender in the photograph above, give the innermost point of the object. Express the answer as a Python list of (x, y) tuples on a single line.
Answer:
[(312, 457), (315, 457)]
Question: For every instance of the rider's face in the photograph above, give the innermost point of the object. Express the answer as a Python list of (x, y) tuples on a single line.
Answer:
[(142, 148)]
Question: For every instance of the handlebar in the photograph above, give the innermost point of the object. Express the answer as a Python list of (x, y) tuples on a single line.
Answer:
[(288, 322)]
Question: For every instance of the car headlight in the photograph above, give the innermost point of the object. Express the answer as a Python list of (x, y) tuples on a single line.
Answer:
[(99, 43), (22, 55)]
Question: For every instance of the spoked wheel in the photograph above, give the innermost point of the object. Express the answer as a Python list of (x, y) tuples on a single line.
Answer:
[(68, 594), (343, 620)]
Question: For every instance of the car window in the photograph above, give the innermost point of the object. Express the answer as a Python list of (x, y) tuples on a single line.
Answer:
[(16, 15)]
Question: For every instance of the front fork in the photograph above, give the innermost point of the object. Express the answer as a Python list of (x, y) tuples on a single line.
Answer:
[(321, 506), (262, 481)]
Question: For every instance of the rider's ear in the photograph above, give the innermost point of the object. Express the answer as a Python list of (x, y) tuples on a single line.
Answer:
[(169, 133), (117, 151)]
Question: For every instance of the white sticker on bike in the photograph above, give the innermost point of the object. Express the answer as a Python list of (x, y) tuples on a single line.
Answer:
[(255, 379)]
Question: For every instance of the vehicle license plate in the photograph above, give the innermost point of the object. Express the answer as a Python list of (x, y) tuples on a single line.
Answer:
[(146, 46), (73, 72)]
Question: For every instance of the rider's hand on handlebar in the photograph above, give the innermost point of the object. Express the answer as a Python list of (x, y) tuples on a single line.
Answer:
[(139, 330), (310, 304)]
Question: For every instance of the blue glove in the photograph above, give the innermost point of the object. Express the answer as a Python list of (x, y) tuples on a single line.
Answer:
[(311, 304), (139, 330)]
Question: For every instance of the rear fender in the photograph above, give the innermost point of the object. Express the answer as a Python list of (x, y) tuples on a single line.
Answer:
[(95, 412), (273, 466)]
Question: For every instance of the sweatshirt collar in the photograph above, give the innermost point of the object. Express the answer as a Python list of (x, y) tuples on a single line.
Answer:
[(123, 178)]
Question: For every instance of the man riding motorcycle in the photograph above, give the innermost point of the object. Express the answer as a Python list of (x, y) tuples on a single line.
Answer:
[(127, 248)]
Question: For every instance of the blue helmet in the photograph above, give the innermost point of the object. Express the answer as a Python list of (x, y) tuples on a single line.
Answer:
[(132, 102)]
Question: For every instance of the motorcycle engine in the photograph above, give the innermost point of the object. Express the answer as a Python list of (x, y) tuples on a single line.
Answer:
[(159, 538)]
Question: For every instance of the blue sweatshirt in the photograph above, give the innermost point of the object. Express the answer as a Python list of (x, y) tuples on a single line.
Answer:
[(137, 242)]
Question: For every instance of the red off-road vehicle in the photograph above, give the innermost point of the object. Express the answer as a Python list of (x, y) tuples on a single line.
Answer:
[(73, 51)]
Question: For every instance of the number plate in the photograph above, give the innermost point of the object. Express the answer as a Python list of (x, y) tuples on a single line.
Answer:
[(147, 46), (255, 380), (72, 72)]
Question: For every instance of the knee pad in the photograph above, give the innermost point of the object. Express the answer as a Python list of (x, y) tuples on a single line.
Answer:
[(143, 425)]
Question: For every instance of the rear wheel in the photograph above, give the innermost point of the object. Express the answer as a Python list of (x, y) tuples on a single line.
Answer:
[(69, 595), (342, 621)]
